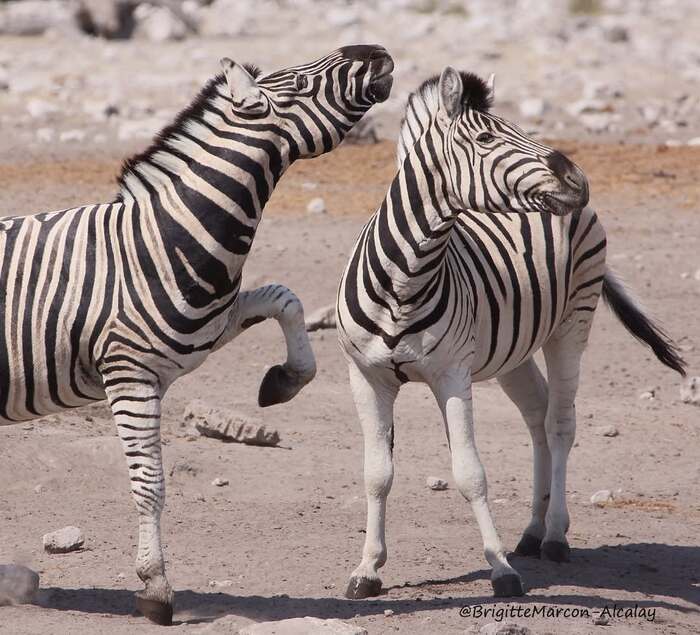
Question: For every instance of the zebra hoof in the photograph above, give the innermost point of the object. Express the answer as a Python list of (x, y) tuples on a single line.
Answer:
[(529, 546), (556, 551), (507, 586), (360, 588), (278, 386), (158, 612)]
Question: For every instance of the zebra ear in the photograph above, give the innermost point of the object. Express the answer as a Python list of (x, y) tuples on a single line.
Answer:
[(242, 85), (491, 86), (450, 88)]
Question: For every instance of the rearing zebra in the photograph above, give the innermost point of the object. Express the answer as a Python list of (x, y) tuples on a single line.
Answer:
[(118, 300), (446, 286)]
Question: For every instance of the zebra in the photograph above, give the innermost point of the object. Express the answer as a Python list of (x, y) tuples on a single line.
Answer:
[(117, 300), (483, 252)]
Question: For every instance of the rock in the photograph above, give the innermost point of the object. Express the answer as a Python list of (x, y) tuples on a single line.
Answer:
[(598, 122), (607, 431), (100, 110), (690, 390), (504, 628), (4, 79), (533, 107), (227, 18), (18, 584), (220, 584), (303, 626), (35, 17), (112, 19), (601, 620), (220, 482), (316, 206), (323, 318), (159, 24), (68, 136), (648, 394), (588, 106), (39, 108), (217, 424), (600, 498), (342, 16), (64, 540), (45, 134), (436, 484), (696, 275), (695, 141), (616, 34), (594, 90)]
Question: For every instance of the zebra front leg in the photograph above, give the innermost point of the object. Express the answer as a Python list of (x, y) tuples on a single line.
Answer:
[(454, 395), (284, 381), (563, 357), (527, 389), (374, 399), (135, 403)]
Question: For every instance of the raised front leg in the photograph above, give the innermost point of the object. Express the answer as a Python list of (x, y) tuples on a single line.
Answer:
[(527, 388), (135, 403), (374, 399), (454, 395), (281, 382)]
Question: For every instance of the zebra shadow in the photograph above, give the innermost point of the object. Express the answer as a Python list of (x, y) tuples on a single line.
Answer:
[(669, 572)]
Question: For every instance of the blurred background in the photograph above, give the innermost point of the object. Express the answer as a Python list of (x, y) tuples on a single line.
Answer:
[(96, 72)]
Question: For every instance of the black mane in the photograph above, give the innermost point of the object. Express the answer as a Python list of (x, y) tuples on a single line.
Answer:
[(475, 93), (193, 112)]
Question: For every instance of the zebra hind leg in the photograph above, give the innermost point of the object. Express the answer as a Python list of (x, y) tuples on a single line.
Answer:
[(136, 409), (527, 389)]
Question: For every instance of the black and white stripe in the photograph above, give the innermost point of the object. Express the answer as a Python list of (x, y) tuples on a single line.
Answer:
[(118, 300), (482, 253)]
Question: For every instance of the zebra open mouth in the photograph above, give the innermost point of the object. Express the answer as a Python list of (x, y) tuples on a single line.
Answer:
[(561, 204), (380, 85)]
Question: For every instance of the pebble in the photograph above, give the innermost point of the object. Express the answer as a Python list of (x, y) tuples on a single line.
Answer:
[(221, 584), (690, 390), (68, 136), (504, 628), (648, 394), (695, 141), (217, 424), (64, 540), (220, 482), (607, 431), (316, 206), (600, 498), (40, 108), (617, 34), (696, 275), (388, 612), (436, 484), (45, 134), (159, 24), (601, 621), (18, 584), (303, 626), (533, 107)]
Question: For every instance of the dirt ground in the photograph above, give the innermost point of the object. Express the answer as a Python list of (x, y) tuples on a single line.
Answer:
[(288, 530)]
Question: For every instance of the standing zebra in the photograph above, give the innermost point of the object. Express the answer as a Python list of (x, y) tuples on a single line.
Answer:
[(118, 300), (445, 287)]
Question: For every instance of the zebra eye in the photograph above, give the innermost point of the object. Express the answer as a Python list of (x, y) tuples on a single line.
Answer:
[(485, 137), (302, 82)]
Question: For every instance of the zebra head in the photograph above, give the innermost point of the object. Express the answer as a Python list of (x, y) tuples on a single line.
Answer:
[(493, 165), (312, 105)]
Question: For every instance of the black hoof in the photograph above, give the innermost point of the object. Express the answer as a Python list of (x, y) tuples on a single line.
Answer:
[(556, 551), (360, 588), (158, 612), (507, 586), (529, 546), (277, 386)]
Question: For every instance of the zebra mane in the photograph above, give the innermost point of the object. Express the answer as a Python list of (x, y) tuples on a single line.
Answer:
[(424, 102), (193, 112)]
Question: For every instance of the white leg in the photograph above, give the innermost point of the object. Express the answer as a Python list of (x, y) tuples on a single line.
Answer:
[(135, 403), (454, 395), (282, 382), (563, 356), (527, 388), (374, 399)]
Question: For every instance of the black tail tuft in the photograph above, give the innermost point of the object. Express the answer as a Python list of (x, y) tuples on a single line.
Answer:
[(644, 329)]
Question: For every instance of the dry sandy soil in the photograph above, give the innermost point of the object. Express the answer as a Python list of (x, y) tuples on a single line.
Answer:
[(289, 528)]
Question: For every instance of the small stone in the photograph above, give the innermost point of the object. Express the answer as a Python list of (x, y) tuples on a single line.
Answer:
[(68, 136), (690, 390), (220, 584), (316, 206), (45, 135), (600, 498), (617, 34), (607, 431), (532, 107), (388, 612), (436, 484), (601, 621), (323, 318), (159, 24), (695, 141), (38, 488), (220, 482), (647, 394), (40, 109), (217, 424), (696, 275), (588, 107), (504, 628), (303, 626), (18, 584), (64, 540)]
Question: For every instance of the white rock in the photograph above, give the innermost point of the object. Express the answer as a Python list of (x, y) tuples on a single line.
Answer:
[(68, 136), (435, 483), (303, 626), (342, 17), (39, 108), (35, 17), (100, 110), (220, 482), (504, 628), (64, 540), (596, 122), (323, 318), (588, 106), (18, 584), (159, 24), (45, 134), (532, 107), (4, 79), (388, 612), (600, 498), (695, 141), (217, 424), (220, 584), (696, 275), (607, 431), (690, 390), (316, 206), (647, 394)]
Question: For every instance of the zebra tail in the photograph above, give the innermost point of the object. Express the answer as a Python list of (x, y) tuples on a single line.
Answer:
[(641, 326)]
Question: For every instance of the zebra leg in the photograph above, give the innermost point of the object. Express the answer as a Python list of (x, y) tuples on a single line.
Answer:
[(135, 404), (375, 407), (283, 381), (454, 395), (527, 389), (563, 357)]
